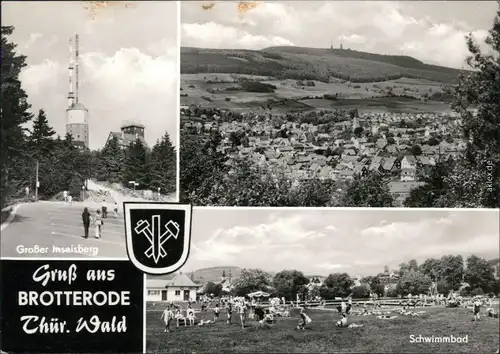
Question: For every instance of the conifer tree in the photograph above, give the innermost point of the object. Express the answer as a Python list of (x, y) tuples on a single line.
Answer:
[(135, 166), (14, 159), (42, 136), (163, 166), (111, 158)]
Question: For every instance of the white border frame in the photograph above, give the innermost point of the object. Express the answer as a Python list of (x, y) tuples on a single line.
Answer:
[(128, 206), (178, 101), (342, 208), (144, 326)]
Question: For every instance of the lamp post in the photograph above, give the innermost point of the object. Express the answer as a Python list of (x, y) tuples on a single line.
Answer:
[(83, 193), (37, 182)]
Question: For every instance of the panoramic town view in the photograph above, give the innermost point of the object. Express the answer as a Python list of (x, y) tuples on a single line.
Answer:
[(267, 119)]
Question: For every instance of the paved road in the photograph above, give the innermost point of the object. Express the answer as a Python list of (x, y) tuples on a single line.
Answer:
[(54, 229)]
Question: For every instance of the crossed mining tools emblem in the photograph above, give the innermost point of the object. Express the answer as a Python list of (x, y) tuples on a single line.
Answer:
[(156, 239)]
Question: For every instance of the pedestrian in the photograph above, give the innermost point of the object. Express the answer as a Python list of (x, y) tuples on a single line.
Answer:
[(190, 316), (98, 224), (242, 310), (476, 307), (70, 199), (216, 312), (104, 209), (65, 196), (167, 316), (86, 222), (343, 307), (304, 319), (229, 312), (116, 210)]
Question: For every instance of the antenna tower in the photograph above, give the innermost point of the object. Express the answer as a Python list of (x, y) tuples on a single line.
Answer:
[(71, 95), (77, 53)]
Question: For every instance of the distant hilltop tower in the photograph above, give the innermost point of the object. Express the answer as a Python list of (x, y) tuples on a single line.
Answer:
[(76, 113), (131, 131), (128, 134)]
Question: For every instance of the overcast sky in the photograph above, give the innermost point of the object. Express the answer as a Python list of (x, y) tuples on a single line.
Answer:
[(128, 62), (320, 242), (429, 31)]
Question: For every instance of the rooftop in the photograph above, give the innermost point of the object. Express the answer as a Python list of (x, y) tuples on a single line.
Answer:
[(180, 280), (128, 124), (77, 107)]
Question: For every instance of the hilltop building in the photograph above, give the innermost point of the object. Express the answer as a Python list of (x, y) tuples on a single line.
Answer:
[(128, 134), (76, 113), (341, 44)]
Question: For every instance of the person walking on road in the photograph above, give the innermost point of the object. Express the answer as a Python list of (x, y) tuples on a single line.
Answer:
[(104, 209), (86, 222), (98, 224), (116, 210)]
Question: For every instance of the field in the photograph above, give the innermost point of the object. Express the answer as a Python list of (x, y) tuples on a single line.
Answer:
[(390, 336), (223, 91)]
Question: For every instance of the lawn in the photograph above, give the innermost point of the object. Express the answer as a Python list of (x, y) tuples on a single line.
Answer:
[(322, 336)]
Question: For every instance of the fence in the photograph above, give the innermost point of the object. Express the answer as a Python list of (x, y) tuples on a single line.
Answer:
[(335, 303)]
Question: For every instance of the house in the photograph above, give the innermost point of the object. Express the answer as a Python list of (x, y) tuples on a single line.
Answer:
[(408, 174), (325, 173), (408, 162), (178, 289), (392, 149), (426, 161), (381, 143), (388, 164), (346, 174), (375, 164), (388, 277), (284, 149), (349, 158)]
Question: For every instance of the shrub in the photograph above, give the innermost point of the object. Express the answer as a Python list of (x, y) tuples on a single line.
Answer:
[(256, 86), (360, 292)]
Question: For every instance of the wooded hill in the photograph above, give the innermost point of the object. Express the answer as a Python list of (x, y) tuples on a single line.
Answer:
[(300, 63)]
